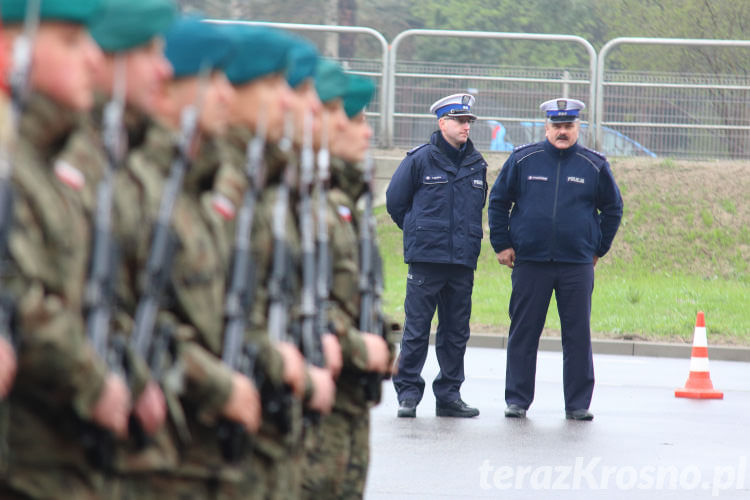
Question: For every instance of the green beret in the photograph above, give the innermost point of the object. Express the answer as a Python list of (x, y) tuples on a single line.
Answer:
[(303, 59), (359, 92), (260, 52), (330, 80), (192, 45), (125, 24), (75, 11)]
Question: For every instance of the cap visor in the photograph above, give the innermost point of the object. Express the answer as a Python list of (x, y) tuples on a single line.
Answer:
[(460, 113), (563, 119)]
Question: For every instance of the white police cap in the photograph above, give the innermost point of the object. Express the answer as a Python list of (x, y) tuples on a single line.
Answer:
[(454, 105), (562, 109)]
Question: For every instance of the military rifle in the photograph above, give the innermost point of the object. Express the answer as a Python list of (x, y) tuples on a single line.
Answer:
[(148, 343), (323, 277), (370, 316), (311, 334), (234, 440), (279, 284), (99, 293)]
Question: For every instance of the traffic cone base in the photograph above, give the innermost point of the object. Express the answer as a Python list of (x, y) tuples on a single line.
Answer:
[(698, 385)]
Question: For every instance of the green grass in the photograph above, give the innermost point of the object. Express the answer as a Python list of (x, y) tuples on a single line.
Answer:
[(672, 257)]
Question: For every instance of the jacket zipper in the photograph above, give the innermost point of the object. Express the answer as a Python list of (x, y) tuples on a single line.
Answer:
[(450, 234), (554, 212)]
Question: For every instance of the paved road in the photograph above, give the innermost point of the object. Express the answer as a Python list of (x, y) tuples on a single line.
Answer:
[(643, 443)]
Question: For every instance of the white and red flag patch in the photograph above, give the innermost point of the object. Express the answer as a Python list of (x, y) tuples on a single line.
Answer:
[(69, 175)]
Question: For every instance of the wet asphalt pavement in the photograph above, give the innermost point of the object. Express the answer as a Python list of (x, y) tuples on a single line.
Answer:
[(643, 442)]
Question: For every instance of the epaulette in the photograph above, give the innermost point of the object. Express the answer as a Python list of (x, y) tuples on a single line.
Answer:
[(522, 146), (414, 150), (597, 153)]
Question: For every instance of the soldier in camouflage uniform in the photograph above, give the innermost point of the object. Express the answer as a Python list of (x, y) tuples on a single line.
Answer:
[(336, 464), (194, 305), (62, 387), (130, 34), (265, 97)]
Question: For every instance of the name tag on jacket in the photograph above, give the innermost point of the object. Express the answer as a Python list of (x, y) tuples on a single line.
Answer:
[(435, 179)]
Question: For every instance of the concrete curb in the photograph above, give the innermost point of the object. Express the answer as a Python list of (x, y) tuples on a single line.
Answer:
[(621, 347)]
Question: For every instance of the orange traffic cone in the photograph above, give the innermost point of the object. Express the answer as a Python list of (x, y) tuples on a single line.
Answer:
[(698, 385)]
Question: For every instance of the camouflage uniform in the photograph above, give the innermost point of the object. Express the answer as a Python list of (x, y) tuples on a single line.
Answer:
[(336, 465), (277, 458), (59, 377), (193, 306), (84, 151)]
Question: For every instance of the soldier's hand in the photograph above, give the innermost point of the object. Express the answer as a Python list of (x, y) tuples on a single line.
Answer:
[(7, 367), (113, 407), (151, 408), (332, 353), (377, 353), (324, 389), (596, 259), (243, 405), (294, 367), (507, 257)]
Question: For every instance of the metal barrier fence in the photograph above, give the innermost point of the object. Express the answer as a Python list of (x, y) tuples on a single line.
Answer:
[(688, 115), (507, 98), (675, 114)]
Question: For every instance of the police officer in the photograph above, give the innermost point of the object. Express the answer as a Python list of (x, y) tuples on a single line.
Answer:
[(62, 386), (436, 196), (553, 211)]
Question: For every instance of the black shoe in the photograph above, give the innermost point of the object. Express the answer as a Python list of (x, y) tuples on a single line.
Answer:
[(407, 408), (583, 414), (455, 408), (515, 411)]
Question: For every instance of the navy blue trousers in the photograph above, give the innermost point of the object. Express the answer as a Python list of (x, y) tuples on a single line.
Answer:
[(449, 287), (533, 283)]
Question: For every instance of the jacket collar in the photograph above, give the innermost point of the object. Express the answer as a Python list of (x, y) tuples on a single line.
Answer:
[(348, 177), (136, 123), (47, 124), (471, 155), (159, 150), (562, 153)]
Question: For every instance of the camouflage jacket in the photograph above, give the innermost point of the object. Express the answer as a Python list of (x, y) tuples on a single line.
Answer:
[(85, 151), (194, 304), (232, 184), (347, 186), (59, 376)]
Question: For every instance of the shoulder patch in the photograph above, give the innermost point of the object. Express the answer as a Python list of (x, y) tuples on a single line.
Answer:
[(596, 153), (344, 213), (69, 175), (524, 146), (414, 150), (223, 206)]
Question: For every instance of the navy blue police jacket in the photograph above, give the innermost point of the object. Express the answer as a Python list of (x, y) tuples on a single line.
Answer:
[(551, 204), (438, 205)]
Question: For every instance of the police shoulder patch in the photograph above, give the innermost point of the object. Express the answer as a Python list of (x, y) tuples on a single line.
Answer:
[(414, 150), (595, 153), (523, 146)]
